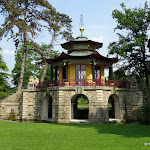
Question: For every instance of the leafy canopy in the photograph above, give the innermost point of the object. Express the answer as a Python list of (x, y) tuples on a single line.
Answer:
[(33, 64), (3, 77), (133, 37)]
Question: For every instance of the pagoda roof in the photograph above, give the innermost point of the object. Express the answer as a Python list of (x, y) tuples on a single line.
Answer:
[(81, 39), (95, 55)]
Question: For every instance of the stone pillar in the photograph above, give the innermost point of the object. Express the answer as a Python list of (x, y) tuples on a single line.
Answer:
[(110, 72), (55, 73), (66, 71), (93, 70), (51, 73)]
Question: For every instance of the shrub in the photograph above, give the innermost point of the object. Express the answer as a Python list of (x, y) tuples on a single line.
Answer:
[(143, 114)]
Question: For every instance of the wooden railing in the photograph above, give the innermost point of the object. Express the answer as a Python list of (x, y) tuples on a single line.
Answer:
[(84, 82)]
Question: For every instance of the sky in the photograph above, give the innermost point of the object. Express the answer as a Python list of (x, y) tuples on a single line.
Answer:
[(98, 24)]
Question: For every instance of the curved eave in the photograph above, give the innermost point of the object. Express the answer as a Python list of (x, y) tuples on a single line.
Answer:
[(95, 56)]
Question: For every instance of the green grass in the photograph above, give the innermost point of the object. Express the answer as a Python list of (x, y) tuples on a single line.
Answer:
[(44, 136), (83, 106)]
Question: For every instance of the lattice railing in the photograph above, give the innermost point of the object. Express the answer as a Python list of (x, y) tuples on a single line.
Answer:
[(84, 82)]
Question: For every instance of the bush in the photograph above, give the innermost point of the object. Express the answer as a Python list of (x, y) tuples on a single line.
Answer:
[(143, 115)]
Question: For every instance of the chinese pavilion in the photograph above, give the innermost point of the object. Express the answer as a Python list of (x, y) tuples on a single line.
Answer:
[(76, 75), (82, 65)]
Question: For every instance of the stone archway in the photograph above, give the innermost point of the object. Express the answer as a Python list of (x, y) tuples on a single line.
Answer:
[(79, 107), (47, 107), (114, 107)]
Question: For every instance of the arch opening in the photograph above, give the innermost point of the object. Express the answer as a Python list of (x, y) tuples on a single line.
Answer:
[(79, 107), (47, 108), (114, 107), (50, 107)]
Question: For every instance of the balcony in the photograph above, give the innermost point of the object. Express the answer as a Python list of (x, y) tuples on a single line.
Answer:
[(84, 82)]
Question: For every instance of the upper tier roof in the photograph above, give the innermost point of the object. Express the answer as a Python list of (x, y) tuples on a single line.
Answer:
[(82, 48), (81, 40)]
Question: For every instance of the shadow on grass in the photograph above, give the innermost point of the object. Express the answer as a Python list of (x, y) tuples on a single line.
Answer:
[(126, 130)]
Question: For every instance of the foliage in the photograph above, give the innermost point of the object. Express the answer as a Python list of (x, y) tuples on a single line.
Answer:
[(83, 100), (59, 25), (33, 64), (22, 22), (120, 75), (30, 67), (132, 26), (143, 115), (3, 77), (22, 18), (73, 136), (40, 62)]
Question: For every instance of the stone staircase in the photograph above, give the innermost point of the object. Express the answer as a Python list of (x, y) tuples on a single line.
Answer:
[(12, 98)]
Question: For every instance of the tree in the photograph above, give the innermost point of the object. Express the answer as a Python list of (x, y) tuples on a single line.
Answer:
[(42, 64), (40, 60), (132, 47), (120, 75), (33, 64), (22, 22), (3, 77), (30, 68), (59, 25)]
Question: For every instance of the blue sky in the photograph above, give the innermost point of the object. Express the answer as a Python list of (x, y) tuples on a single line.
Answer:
[(98, 23)]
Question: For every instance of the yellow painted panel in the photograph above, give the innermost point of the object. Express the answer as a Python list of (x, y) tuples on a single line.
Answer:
[(60, 72), (89, 71), (89, 76), (71, 74), (102, 72), (71, 71)]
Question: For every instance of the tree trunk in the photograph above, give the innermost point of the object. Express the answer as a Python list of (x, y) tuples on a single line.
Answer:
[(22, 64), (44, 72), (24, 50), (145, 69), (46, 64)]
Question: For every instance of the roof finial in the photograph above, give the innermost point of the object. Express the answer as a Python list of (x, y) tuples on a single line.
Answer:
[(81, 25)]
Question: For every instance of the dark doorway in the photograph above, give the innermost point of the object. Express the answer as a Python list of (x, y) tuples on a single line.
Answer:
[(114, 107), (80, 107), (50, 108), (111, 107), (64, 72)]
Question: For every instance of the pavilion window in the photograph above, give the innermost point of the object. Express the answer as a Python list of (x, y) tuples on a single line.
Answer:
[(80, 46), (80, 71), (97, 72), (80, 74)]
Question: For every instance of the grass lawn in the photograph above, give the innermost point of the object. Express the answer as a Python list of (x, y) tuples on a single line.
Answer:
[(83, 106), (46, 136)]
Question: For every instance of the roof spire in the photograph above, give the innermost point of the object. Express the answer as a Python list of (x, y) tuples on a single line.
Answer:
[(81, 25)]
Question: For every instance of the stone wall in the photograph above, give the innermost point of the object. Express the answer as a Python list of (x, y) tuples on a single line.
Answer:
[(10, 107), (132, 101), (128, 103), (31, 104)]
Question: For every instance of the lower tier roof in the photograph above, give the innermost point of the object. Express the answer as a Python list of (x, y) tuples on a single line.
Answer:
[(96, 56)]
